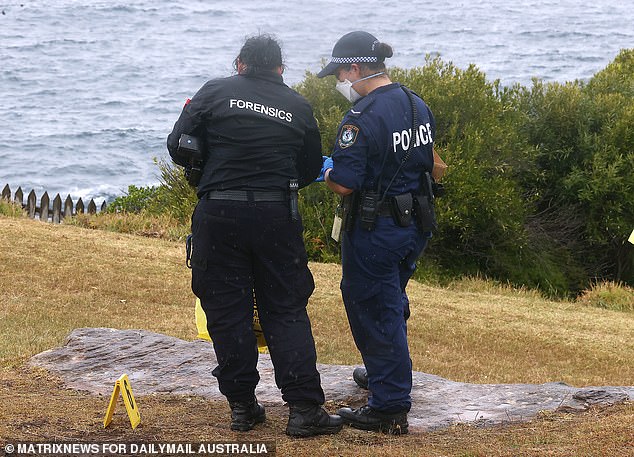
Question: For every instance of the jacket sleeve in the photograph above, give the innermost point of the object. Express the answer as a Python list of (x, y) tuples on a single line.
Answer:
[(189, 122), (309, 159)]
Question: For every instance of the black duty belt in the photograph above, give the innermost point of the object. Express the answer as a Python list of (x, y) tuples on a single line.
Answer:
[(384, 209), (248, 195)]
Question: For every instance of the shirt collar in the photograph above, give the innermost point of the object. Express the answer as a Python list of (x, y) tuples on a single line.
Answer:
[(386, 88), (267, 76), (379, 90)]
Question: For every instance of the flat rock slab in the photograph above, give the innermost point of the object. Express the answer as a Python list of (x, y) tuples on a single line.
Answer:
[(93, 358)]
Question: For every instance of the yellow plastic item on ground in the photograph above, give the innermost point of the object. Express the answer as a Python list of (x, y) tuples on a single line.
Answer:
[(201, 325), (122, 386)]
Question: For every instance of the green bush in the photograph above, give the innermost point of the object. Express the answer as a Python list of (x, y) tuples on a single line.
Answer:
[(317, 205), (584, 141), (539, 182), (176, 197), (135, 200), (328, 106), (11, 209), (173, 197), (483, 217), (609, 295)]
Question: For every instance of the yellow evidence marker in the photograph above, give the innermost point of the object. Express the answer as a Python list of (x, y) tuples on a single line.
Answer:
[(122, 385), (631, 239)]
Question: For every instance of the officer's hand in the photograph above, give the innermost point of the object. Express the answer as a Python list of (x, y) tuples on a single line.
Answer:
[(326, 165)]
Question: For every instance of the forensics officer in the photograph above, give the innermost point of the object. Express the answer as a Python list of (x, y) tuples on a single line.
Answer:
[(381, 154), (260, 136)]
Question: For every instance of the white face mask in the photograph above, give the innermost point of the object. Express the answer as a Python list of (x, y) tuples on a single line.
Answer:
[(345, 88)]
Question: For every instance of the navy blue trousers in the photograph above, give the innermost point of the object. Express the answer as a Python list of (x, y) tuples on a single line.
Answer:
[(376, 267), (239, 247)]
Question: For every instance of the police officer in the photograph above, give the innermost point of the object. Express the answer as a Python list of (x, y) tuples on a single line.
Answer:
[(382, 158), (261, 144)]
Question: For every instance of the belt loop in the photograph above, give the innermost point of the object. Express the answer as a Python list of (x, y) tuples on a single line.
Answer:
[(250, 197)]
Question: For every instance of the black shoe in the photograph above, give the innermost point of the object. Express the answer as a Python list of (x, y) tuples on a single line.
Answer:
[(360, 376), (310, 420), (244, 415), (366, 418)]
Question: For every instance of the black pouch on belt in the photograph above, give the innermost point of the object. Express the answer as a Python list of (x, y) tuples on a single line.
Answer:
[(425, 214), (402, 209), (368, 209), (348, 209), (293, 187)]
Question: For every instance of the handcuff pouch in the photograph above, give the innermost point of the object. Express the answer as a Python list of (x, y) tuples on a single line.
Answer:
[(402, 209)]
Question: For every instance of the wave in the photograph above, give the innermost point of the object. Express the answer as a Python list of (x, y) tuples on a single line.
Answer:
[(47, 44), (126, 8), (101, 82)]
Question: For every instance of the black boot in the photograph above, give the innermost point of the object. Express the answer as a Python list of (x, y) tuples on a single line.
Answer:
[(310, 420), (244, 415), (366, 418), (360, 376)]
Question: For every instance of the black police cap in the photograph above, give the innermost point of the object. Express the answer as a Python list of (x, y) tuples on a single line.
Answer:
[(353, 47)]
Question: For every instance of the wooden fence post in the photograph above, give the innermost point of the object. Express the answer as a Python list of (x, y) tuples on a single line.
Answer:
[(19, 197), (30, 204), (44, 207), (57, 209), (59, 212), (79, 207), (68, 207)]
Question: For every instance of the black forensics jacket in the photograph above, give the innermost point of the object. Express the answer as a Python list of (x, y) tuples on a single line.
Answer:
[(257, 133)]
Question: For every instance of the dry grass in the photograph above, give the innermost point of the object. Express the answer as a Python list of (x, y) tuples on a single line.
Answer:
[(148, 225), (57, 278), (35, 406), (494, 335)]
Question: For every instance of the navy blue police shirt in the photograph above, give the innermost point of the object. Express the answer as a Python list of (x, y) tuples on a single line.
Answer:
[(373, 138), (257, 131)]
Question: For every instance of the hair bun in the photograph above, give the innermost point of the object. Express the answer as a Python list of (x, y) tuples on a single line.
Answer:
[(384, 50)]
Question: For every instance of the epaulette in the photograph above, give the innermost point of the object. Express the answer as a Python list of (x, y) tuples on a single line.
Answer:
[(361, 106)]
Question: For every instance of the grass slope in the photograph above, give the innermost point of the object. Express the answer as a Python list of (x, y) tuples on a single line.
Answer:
[(54, 278)]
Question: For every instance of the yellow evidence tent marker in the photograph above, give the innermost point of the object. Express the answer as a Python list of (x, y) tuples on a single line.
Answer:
[(122, 385), (631, 240)]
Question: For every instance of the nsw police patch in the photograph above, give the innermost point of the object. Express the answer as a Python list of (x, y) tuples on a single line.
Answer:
[(348, 135)]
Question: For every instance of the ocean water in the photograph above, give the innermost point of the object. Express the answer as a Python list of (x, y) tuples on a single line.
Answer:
[(90, 89)]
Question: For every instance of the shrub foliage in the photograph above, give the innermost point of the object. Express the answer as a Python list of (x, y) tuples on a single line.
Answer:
[(539, 185)]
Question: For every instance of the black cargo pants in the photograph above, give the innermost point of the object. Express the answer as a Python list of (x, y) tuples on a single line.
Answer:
[(239, 247)]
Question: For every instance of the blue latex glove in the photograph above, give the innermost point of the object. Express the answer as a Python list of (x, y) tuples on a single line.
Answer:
[(326, 165)]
